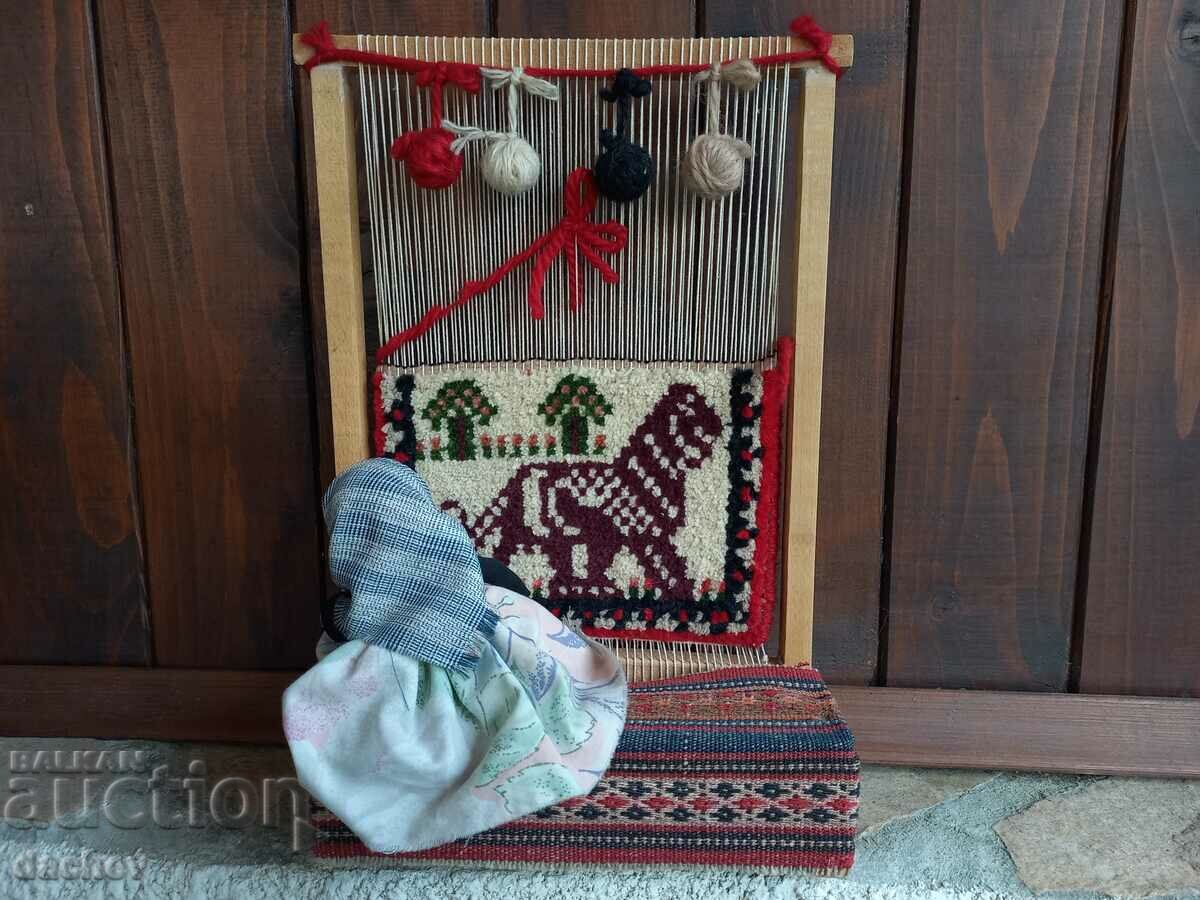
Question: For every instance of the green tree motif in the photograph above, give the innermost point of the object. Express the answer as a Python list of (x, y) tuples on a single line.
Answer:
[(572, 404), (458, 406)]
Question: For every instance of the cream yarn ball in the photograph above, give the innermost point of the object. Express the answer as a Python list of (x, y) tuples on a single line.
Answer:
[(714, 165), (510, 164)]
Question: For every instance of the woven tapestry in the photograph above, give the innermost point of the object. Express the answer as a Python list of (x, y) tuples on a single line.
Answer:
[(750, 768), (633, 500)]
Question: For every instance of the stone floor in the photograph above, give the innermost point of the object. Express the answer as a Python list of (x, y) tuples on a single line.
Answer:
[(925, 833)]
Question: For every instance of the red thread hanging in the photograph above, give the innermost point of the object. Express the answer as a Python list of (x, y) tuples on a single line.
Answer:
[(428, 156), (574, 235), (820, 41)]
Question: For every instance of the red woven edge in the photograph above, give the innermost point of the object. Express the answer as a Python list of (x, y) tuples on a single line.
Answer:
[(766, 550), (378, 441)]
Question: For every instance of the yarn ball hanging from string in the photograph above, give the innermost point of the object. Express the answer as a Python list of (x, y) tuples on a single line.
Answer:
[(714, 165), (428, 157), (623, 170), (510, 164)]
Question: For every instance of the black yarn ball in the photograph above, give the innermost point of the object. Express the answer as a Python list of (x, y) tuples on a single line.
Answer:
[(623, 171)]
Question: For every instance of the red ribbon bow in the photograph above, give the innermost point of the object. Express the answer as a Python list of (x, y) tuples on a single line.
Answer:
[(578, 234), (575, 234)]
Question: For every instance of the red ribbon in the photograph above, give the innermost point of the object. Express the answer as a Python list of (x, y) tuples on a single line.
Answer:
[(463, 75), (581, 235), (574, 235), (326, 51), (433, 75)]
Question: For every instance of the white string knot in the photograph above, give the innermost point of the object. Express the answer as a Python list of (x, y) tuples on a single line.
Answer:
[(465, 134), (742, 74), (509, 163), (516, 81)]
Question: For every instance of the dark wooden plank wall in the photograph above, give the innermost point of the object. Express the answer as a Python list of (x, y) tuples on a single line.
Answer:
[(70, 556), (1142, 616), (1010, 471), (1011, 131), (205, 192)]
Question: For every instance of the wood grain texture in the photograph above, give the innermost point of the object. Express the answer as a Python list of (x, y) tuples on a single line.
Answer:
[(867, 155), (1011, 145), (156, 704), (206, 207), (1098, 735), (427, 17), (345, 350), (1038, 732), (601, 18), (813, 172), (70, 559), (1142, 623), (356, 17)]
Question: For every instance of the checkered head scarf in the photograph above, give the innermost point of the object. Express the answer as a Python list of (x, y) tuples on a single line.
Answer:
[(411, 571)]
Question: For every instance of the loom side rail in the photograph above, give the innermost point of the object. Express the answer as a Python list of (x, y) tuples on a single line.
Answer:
[(341, 262), (814, 170)]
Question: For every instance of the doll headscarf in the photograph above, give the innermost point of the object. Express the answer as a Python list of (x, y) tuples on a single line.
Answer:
[(411, 571)]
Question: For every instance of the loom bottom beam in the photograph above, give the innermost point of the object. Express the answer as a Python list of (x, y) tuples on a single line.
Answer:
[(652, 660)]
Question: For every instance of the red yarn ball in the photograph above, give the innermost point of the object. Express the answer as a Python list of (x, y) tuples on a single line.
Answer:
[(427, 156)]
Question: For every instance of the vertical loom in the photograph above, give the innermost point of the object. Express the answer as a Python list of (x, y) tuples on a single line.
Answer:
[(703, 276)]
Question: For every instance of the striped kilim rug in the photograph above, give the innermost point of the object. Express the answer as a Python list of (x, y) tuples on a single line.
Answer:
[(750, 768)]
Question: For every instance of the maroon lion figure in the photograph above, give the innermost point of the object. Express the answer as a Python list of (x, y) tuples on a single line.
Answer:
[(579, 514)]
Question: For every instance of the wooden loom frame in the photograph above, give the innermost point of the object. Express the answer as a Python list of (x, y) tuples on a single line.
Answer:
[(333, 101)]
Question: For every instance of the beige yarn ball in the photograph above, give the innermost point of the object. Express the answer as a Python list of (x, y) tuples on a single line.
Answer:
[(510, 164), (714, 165)]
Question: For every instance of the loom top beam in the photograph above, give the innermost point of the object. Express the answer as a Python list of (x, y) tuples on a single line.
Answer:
[(530, 51)]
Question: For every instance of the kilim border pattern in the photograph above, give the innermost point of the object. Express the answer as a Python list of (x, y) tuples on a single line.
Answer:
[(734, 606)]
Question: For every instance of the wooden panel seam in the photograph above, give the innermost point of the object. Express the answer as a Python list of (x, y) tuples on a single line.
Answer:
[(1092, 734)]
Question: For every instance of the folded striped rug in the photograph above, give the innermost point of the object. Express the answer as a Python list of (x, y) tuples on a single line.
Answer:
[(750, 768)]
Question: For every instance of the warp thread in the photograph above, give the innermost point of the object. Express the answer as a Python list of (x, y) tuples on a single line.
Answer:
[(429, 155), (714, 164), (430, 159), (623, 170), (509, 163), (575, 236)]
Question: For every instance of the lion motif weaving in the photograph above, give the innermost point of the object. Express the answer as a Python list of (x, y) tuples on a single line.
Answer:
[(633, 499)]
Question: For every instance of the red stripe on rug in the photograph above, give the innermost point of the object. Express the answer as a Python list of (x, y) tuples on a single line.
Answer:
[(551, 855)]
